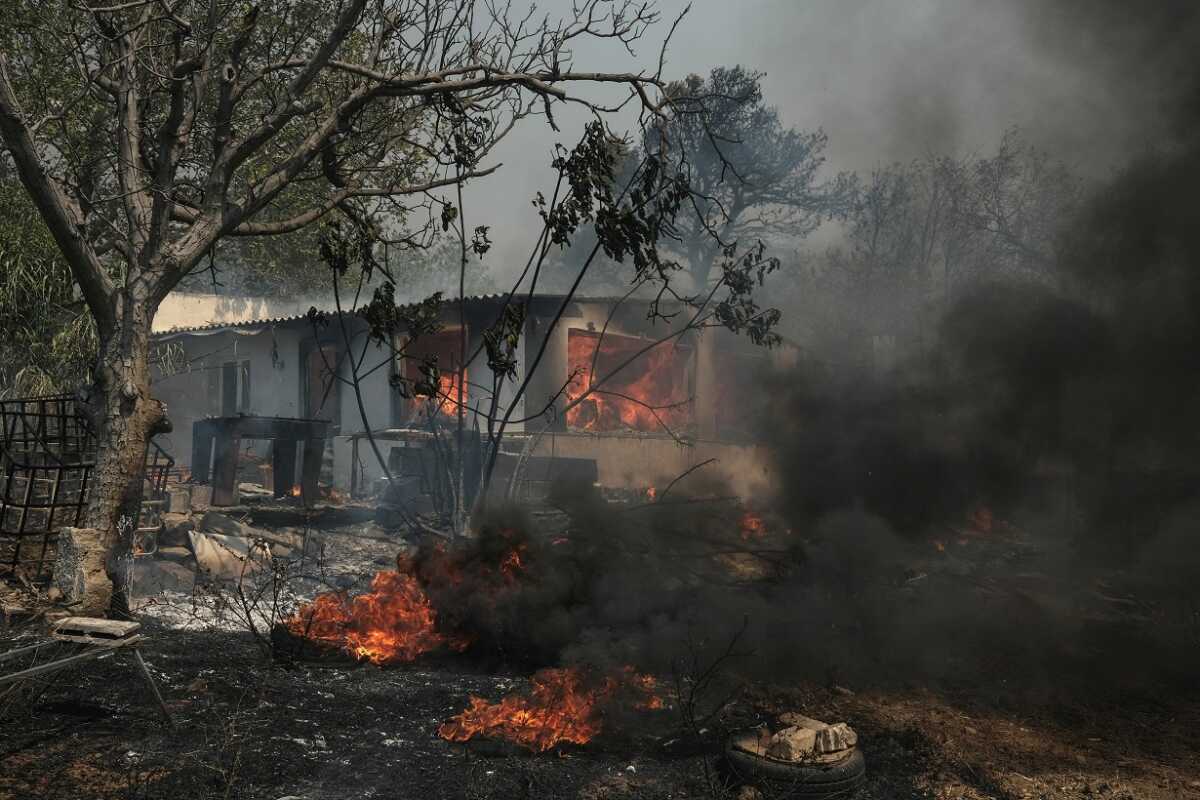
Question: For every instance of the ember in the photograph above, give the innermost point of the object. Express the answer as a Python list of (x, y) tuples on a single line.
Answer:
[(564, 706), (752, 526), (980, 520), (647, 395), (394, 622), (512, 564)]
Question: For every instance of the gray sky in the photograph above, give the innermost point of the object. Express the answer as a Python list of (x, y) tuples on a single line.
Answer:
[(887, 80)]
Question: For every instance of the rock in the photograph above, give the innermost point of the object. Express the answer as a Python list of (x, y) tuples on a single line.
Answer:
[(79, 572), (792, 719), (152, 576), (254, 490), (216, 522), (749, 793), (201, 497), (222, 557), (175, 530), (792, 744), (179, 500), (293, 539), (835, 738), (179, 555)]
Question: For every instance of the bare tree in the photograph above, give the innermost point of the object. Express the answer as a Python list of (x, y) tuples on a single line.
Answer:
[(147, 131), (752, 177)]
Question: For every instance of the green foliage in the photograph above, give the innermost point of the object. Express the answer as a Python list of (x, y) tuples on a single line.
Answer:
[(49, 339), (501, 340)]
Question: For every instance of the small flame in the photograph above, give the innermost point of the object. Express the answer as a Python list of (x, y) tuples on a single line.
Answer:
[(651, 493), (511, 564), (296, 490), (939, 545), (752, 526), (563, 706)]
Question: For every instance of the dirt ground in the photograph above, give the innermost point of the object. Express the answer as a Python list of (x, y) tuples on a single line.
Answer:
[(250, 728)]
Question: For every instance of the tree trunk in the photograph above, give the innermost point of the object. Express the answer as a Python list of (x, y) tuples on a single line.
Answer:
[(124, 417)]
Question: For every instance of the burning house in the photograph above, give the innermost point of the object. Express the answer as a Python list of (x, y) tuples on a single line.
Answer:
[(612, 393)]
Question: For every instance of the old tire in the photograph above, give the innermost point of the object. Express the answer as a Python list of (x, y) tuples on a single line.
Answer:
[(785, 779)]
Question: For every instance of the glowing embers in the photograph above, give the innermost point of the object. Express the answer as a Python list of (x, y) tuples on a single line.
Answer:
[(649, 392), (393, 622), (565, 706), (751, 526)]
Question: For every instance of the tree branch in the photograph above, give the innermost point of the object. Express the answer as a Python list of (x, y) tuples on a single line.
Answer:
[(60, 214)]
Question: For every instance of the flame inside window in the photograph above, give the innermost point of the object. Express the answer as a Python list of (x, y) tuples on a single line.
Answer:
[(649, 394), (445, 347)]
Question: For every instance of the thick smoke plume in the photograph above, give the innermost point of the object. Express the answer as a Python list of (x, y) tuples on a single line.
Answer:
[(1053, 421)]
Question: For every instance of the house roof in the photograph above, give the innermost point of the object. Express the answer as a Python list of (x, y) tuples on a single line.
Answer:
[(223, 325)]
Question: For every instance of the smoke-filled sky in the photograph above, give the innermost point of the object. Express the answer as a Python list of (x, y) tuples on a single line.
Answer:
[(1090, 81)]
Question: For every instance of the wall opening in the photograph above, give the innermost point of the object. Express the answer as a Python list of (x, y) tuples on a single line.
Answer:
[(650, 392)]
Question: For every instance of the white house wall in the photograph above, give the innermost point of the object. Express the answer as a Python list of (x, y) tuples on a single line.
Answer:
[(274, 356)]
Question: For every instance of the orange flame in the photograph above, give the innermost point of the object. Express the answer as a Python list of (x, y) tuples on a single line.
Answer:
[(394, 622), (447, 393), (752, 526), (651, 494), (511, 564), (564, 706), (296, 490), (648, 394)]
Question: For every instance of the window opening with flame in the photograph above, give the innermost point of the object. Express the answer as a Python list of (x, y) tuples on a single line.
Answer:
[(444, 346), (650, 394)]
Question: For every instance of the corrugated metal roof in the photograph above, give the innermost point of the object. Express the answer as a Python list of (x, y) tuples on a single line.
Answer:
[(250, 323)]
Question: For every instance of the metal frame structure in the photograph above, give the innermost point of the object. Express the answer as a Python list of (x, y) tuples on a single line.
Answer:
[(47, 452)]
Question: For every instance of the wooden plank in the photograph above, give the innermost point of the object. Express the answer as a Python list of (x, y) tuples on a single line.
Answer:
[(98, 651), (91, 626), (20, 651)]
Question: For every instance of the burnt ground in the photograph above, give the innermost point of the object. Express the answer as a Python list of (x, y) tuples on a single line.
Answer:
[(251, 728)]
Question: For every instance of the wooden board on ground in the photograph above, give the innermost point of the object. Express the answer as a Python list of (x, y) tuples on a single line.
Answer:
[(77, 629)]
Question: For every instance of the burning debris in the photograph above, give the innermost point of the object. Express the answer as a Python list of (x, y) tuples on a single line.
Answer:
[(392, 623), (396, 621), (565, 705)]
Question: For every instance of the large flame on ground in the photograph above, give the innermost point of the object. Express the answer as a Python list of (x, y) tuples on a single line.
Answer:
[(649, 394), (396, 620), (393, 622), (564, 706)]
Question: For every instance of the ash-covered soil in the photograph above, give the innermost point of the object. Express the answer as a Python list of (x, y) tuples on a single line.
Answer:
[(250, 727)]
